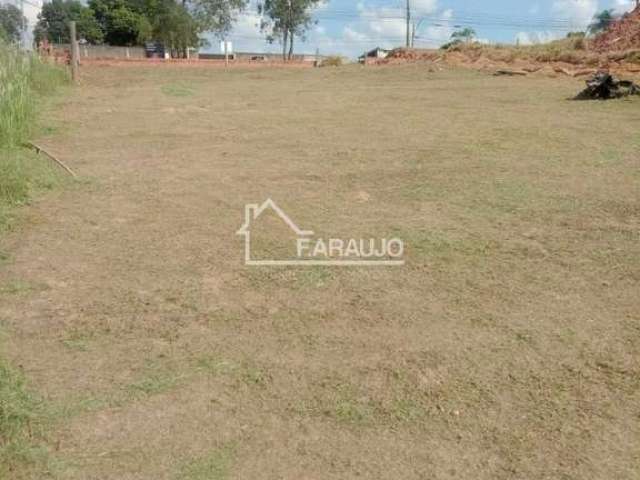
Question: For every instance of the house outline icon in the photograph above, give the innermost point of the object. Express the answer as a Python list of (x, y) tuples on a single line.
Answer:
[(252, 212)]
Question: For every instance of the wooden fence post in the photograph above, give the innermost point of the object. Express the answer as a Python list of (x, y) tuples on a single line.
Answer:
[(74, 52)]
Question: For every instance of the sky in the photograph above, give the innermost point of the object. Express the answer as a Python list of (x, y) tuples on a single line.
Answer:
[(349, 27)]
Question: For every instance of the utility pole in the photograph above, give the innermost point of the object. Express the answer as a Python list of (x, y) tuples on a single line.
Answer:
[(408, 24)]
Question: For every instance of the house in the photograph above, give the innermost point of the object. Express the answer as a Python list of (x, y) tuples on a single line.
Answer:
[(377, 53)]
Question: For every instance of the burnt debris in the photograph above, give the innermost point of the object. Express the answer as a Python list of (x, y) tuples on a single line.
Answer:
[(604, 86)]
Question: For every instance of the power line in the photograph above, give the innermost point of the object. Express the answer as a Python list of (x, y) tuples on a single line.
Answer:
[(463, 19)]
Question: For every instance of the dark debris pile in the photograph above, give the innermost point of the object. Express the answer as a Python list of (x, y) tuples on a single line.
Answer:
[(604, 86)]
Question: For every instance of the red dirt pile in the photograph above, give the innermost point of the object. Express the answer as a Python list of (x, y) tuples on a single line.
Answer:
[(623, 34), (412, 55)]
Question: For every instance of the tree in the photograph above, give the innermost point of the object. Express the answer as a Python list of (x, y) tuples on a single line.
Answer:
[(286, 19), (53, 22), (12, 23), (465, 35), (123, 22), (601, 21), (173, 25), (215, 16)]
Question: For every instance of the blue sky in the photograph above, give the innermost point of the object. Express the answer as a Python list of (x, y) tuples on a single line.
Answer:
[(350, 27)]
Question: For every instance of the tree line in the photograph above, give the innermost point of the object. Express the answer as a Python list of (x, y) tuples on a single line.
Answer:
[(177, 24), (12, 22)]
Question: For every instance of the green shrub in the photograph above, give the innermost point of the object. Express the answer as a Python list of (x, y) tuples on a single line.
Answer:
[(14, 188)]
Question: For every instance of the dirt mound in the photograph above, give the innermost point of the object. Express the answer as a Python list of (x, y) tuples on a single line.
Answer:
[(412, 55), (623, 34)]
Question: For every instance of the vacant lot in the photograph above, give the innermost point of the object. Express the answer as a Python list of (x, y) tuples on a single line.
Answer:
[(508, 346)]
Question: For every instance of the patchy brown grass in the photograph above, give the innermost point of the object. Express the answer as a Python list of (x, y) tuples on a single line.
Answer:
[(506, 347)]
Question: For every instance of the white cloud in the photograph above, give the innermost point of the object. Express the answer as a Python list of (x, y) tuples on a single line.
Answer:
[(438, 33), (351, 35), (424, 7), (386, 26), (579, 13), (623, 6), (530, 38)]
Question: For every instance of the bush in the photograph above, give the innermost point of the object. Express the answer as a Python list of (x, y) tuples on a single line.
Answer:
[(334, 61), (578, 43)]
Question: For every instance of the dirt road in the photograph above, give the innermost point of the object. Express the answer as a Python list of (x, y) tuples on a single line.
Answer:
[(506, 347)]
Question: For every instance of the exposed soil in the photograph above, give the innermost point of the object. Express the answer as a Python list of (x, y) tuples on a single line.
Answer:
[(623, 34), (492, 61)]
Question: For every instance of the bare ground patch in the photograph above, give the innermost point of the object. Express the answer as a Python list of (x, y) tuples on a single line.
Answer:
[(506, 347)]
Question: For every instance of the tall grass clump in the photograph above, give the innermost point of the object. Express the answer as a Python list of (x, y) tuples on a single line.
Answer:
[(24, 82), (21, 422), (16, 101), (23, 78)]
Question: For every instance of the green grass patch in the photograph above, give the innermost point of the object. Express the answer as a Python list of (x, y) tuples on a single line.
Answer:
[(153, 384), (21, 425), (178, 90), (16, 287), (214, 466)]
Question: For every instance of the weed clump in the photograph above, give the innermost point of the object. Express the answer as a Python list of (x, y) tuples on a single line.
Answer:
[(333, 61), (24, 80)]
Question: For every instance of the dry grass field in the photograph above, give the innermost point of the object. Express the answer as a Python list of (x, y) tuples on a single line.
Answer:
[(507, 347)]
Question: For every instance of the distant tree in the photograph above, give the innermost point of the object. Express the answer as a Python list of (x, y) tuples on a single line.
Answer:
[(173, 25), (12, 22), (54, 18), (123, 22), (601, 21), (285, 20), (216, 16), (177, 23), (465, 35), (450, 44), (576, 35)]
